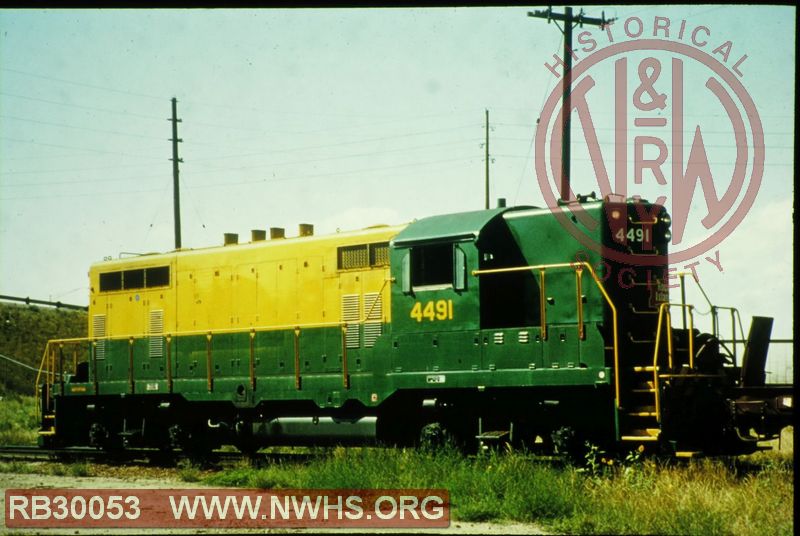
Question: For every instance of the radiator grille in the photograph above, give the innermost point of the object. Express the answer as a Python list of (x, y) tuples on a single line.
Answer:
[(373, 325), (156, 331), (351, 257), (99, 332), (351, 305)]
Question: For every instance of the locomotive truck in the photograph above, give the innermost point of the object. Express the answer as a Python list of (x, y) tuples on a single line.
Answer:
[(485, 326)]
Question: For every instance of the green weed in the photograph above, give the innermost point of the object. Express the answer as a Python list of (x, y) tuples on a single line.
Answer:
[(188, 472), (632, 495), (18, 422)]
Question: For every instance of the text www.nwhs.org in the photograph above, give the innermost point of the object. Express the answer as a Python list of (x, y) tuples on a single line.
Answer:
[(226, 508)]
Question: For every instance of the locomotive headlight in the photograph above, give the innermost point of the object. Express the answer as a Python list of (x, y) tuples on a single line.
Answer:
[(666, 220), (786, 401), (667, 235)]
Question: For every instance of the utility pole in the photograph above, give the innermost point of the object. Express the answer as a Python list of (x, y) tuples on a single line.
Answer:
[(176, 193), (569, 22), (487, 159)]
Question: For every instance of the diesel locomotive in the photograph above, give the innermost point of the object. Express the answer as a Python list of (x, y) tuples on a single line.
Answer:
[(499, 325)]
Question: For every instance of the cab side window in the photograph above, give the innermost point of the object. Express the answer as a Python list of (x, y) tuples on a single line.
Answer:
[(432, 265)]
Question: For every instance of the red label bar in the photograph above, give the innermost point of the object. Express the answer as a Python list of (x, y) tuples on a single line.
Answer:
[(226, 508)]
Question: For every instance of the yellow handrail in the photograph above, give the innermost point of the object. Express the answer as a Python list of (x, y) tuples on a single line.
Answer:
[(542, 305), (664, 313), (47, 365), (47, 368), (575, 266)]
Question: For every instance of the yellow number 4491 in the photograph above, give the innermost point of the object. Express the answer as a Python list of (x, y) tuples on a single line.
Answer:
[(432, 310)]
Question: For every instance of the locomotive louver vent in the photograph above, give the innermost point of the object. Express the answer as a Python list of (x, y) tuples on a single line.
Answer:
[(98, 332), (524, 337), (498, 337), (156, 330), (350, 316), (373, 326)]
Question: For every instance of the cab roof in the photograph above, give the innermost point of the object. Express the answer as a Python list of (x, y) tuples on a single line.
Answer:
[(459, 226)]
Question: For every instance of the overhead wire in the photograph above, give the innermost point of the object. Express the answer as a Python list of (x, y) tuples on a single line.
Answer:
[(546, 91), (88, 129), (81, 84), (80, 107), (72, 147)]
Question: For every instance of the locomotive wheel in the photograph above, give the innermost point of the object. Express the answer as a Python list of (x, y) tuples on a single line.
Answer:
[(567, 443), (100, 437), (432, 436), (435, 436)]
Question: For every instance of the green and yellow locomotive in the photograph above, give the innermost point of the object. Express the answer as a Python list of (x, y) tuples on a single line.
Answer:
[(493, 325)]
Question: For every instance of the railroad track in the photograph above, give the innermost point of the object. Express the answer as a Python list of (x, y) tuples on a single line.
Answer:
[(138, 456)]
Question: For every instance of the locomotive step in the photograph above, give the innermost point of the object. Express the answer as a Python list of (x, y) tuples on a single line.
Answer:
[(495, 435), (644, 387), (638, 438), (642, 411), (48, 432), (647, 434), (647, 368)]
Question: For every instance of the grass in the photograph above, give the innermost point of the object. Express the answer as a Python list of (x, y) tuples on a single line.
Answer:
[(18, 422), (189, 473), (76, 469), (749, 495)]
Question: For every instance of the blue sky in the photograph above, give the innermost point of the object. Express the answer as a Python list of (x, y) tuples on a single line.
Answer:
[(342, 118)]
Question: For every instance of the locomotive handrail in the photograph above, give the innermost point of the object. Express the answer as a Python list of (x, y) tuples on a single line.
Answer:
[(735, 316), (375, 301), (47, 366), (48, 370), (664, 313), (222, 331), (715, 331), (577, 266)]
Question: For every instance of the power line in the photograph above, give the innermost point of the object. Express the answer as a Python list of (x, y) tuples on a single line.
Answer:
[(208, 169), (347, 115), (644, 129), (346, 172), (307, 148), (330, 158), (258, 181), (533, 133), (79, 107), (70, 170), (33, 142), (88, 129), (775, 164), (83, 181), (569, 23), (81, 84), (20, 363)]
